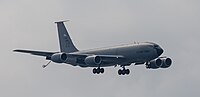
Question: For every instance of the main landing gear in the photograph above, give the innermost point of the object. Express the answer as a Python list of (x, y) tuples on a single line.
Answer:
[(123, 71), (98, 70)]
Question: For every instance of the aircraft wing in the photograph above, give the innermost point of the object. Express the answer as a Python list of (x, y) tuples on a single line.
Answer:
[(42, 53), (106, 58), (39, 53)]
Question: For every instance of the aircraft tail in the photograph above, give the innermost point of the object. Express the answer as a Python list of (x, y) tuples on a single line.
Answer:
[(66, 44)]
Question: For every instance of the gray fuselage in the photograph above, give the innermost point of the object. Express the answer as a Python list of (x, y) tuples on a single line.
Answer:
[(132, 53)]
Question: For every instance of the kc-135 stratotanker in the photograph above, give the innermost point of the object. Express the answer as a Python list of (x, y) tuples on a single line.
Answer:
[(137, 53)]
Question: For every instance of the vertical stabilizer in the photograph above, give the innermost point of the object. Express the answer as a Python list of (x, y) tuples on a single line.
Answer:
[(66, 44)]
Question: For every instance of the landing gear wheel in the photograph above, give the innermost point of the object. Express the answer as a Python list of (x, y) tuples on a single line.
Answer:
[(123, 71), (127, 71), (94, 70), (119, 71), (101, 70), (98, 70)]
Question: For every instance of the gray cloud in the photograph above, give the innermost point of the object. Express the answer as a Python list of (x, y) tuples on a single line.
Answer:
[(174, 24)]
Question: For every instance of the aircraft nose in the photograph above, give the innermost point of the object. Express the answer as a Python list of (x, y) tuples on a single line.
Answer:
[(159, 51)]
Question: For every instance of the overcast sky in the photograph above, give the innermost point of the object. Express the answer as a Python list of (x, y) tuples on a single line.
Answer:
[(29, 24)]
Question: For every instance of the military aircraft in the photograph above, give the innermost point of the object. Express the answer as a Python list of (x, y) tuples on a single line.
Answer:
[(137, 53)]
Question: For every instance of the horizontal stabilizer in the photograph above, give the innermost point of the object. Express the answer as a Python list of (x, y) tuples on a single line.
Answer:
[(62, 21)]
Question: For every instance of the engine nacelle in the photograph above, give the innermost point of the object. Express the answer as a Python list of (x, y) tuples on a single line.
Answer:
[(93, 60), (59, 57), (166, 62), (154, 64)]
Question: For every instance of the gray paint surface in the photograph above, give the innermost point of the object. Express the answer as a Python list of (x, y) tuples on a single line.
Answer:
[(174, 24)]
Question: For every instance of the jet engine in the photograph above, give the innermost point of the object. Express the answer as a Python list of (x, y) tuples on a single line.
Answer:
[(166, 62), (59, 57), (93, 60), (154, 64)]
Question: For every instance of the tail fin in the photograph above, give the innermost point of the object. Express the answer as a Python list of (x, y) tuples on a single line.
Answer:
[(66, 44)]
